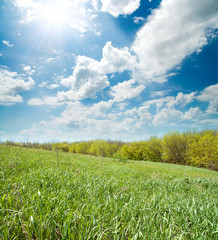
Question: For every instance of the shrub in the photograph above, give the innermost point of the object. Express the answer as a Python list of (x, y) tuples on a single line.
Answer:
[(119, 157)]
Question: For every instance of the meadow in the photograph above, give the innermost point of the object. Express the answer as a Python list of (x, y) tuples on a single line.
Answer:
[(83, 197)]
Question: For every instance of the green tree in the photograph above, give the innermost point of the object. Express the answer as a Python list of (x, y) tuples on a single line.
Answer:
[(203, 149), (175, 147), (154, 149), (82, 147), (134, 150)]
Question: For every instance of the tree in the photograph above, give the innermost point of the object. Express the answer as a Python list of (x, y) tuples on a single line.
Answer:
[(154, 149), (175, 146), (203, 149)]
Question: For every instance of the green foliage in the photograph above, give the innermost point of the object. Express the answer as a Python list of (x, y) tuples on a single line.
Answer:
[(98, 148), (154, 150), (119, 157), (63, 147), (82, 147), (203, 149), (175, 146), (134, 150), (188, 148), (83, 199)]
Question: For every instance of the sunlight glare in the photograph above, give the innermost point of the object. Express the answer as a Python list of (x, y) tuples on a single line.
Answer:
[(55, 15)]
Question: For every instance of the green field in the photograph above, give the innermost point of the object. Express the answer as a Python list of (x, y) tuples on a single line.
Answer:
[(85, 198)]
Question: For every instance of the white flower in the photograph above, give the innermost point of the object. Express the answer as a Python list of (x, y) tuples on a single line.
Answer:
[(39, 193), (31, 219)]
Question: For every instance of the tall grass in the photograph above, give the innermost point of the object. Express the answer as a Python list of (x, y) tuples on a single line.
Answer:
[(85, 199)]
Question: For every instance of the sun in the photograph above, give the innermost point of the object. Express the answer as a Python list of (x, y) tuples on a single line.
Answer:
[(55, 14)]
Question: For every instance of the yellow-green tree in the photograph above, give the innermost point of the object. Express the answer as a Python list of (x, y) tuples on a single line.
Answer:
[(134, 150), (99, 148), (203, 149), (82, 147), (154, 150), (63, 147), (175, 146)]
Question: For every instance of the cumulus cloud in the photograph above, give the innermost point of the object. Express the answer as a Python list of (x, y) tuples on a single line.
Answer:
[(94, 120), (173, 31), (182, 99), (159, 103), (125, 90), (90, 76), (167, 116), (210, 94), (121, 7), (145, 117), (117, 60), (193, 114), (7, 43), (86, 81), (11, 84)]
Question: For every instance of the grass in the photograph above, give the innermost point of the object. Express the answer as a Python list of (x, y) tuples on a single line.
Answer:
[(84, 198)]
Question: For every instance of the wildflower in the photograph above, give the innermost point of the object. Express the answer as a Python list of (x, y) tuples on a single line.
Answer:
[(39, 193), (23, 187), (31, 219)]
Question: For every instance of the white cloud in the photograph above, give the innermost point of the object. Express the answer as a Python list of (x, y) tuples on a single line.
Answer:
[(138, 20), (182, 99), (159, 102), (193, 114), (141, 116), (95, 121), (145, 117), (213, 106), (86, 81), (89, 76), (116, 60), (210, 94), (53, 86), (11, 84), (7, 43), (167, 116), (28, 70), (173, 31), (99, 109), (125, 90), (159, 93), (121, 7), (1, 54), (48, 100), (42, 84)]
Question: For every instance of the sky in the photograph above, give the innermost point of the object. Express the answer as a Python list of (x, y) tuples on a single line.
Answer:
[(75, 70)]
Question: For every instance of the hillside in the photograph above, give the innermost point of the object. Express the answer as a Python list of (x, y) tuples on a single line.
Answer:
[(85, 198)]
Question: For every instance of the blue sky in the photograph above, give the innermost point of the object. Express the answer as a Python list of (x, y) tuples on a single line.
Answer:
[(124, 70)]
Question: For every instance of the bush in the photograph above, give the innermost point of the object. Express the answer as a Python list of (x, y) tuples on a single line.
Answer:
[(119, 157)]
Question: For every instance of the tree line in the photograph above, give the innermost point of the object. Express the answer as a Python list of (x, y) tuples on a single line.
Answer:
[(191, 148)]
